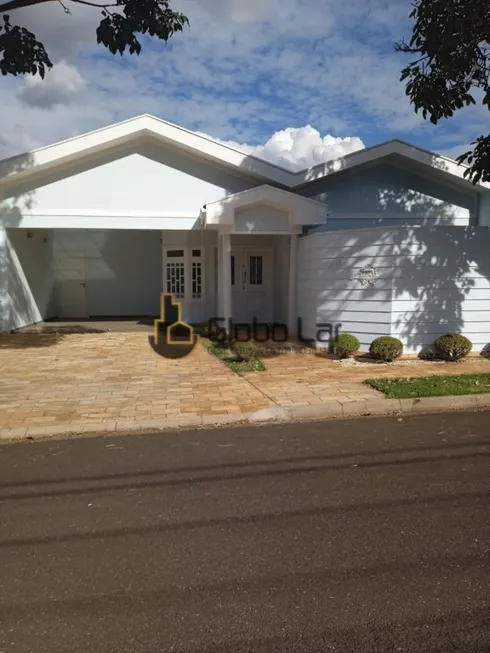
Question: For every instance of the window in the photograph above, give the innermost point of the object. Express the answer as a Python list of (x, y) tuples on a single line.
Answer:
[(232, 270), (255, 264), (196, 279), (176, 278), (184, 269)]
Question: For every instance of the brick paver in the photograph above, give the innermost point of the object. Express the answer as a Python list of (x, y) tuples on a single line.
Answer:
[(312, 378), (50, 380), (113, 379)]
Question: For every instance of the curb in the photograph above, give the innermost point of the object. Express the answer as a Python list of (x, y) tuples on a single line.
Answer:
[(300, 412)]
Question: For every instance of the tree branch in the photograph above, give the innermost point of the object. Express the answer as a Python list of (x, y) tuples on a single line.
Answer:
[(95, 4), (20, 4)]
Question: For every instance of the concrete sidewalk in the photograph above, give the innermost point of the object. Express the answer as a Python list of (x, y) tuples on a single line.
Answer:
[(54, 384)]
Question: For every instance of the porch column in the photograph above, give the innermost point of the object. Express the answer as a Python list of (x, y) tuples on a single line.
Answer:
[(4, 290), (292, 308), (224, 278)]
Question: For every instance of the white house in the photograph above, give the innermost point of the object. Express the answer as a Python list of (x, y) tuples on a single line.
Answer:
[(388, 240)]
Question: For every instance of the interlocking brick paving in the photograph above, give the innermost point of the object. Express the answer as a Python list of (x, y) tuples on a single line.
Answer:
[(312, 378), (54, 379)]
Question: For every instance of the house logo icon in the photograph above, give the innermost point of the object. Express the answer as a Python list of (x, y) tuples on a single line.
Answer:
[(172, 337)]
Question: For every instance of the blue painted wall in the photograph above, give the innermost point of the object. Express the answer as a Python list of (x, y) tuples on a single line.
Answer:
[(388, 195)]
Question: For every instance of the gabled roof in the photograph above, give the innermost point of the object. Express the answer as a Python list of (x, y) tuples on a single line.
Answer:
[(149, 128), (302, 210)]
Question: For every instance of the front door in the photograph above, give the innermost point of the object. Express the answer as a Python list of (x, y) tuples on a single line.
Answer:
[(252, 284), (72, 287)]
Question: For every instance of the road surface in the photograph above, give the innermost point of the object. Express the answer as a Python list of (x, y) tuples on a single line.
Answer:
[(358, 536)]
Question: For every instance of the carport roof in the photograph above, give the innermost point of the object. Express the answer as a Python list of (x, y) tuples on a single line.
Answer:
[(146, 128)]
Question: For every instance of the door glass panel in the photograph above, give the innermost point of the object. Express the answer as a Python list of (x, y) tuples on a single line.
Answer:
[(255, 265)]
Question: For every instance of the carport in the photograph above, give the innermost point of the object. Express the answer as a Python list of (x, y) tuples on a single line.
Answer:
[(81, 274)]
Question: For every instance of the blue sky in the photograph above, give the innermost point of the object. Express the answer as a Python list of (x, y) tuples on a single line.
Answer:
[(294, 81)]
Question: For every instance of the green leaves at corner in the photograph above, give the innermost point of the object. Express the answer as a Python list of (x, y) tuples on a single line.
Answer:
[(21, 52), (450, 45), (119, 31)]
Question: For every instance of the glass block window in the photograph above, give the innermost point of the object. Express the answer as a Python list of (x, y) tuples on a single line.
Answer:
[(176, 278), (196, 279), (255, 264)]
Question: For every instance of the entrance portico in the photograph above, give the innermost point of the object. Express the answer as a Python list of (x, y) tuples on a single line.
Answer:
[(247, 285)]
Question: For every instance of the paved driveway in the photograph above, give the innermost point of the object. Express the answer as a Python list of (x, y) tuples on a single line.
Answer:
[(59, 382), (55, 379)]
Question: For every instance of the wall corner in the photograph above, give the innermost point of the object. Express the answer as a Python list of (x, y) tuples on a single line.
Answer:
[(483, 219)]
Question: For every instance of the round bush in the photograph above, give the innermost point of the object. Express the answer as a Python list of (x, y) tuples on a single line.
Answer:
[(245, 351), (386, 348), (452, 347), (345, 345)]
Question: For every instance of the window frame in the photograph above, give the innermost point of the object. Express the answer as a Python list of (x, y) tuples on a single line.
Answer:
[(188, 259)]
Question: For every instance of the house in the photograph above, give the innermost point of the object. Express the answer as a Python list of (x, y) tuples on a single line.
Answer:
[(388, 240)]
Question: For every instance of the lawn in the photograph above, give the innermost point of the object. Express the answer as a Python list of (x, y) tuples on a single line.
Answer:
[(432, 386)]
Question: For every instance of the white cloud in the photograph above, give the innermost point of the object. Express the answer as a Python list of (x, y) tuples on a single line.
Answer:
[(60, 85), (456, 150), (242, 71), (297, 148)]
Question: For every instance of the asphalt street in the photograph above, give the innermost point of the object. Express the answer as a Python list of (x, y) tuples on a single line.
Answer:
[(369, 535)]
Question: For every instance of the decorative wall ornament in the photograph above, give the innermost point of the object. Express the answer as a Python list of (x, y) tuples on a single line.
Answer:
[(367, 276)]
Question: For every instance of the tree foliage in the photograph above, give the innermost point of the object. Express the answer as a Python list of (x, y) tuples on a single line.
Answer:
[(451, 41), (122, 24)]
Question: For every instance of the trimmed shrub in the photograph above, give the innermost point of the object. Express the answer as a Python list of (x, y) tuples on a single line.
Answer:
[(386, 348), (245, 351), (345, 345), (452, 347)]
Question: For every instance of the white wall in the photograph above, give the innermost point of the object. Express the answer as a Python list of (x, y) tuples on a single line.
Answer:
[(4, 274), (429, 281), (329, 291), (261, 218), (30, 277), (441, 284), (123, 269), (484, 209), (150, 181)]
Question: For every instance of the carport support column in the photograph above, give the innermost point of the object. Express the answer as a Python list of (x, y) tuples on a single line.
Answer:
[(224, 279), (4, 279), (292, 308)]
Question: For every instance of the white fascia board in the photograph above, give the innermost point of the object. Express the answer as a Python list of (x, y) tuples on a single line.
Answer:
[(371, 154), (70, 221), (140, 128), (148, 127)]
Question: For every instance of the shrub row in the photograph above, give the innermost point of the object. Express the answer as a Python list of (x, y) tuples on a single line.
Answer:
[(449, 347)]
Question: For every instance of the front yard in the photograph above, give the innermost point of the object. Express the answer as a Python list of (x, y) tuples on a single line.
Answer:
[(432, 386)]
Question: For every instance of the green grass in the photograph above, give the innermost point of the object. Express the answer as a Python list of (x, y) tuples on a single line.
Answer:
[(432, 386), (229, 358)]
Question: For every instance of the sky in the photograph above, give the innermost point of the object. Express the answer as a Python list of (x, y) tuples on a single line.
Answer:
[(296, 82)]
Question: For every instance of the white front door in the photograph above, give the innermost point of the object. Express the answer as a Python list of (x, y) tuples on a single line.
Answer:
[(252, 284), (72, 287)]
